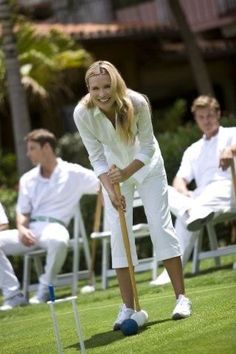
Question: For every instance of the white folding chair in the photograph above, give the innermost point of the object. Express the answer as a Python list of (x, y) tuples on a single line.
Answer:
[(139, 231), (77, 241), (215, 251)]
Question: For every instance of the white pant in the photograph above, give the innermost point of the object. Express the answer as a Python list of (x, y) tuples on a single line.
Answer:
[(154, 194), (52, 237), (216, 196)]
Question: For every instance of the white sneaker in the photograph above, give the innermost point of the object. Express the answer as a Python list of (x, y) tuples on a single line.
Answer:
[(182, 309), (162, 279), (197, 220), (14, 301), (124, 314), (41, 296)]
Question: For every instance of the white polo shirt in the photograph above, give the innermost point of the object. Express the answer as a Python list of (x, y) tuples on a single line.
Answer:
[(201, 160), (104, 145), (58, 195), (3, 216)]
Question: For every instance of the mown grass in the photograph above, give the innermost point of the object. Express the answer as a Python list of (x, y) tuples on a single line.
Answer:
[(210, 330)]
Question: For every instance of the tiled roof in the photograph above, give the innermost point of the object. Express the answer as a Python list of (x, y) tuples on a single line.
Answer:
[(88, 31)]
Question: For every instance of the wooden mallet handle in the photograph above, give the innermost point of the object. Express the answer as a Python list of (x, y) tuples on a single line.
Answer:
[(125, 236)]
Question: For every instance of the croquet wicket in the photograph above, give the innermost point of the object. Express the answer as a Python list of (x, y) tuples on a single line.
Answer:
[(52, 303)]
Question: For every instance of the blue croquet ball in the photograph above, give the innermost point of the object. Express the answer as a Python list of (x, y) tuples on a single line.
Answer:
[(129, 327)]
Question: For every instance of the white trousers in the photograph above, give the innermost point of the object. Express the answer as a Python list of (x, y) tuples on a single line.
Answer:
[(52, 237), (216, 196), (154, 194)]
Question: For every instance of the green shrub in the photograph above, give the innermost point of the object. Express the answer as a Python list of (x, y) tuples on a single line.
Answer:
[(169, 119), (173, 144), (8, 172), (8, 185), (8, 199), (70, 148)]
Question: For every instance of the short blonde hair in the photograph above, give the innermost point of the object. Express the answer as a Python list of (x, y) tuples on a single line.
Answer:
[(205, 102), (124, 106)]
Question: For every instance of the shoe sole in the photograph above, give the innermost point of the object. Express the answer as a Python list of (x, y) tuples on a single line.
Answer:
[(116, 327), (178, 316), (8, 308)]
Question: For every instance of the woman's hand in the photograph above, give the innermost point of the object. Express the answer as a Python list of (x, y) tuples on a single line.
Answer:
[(116, 174), (117, 202)]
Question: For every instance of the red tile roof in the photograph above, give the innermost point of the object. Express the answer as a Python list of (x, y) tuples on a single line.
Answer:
[(100, 30), (89, 31)]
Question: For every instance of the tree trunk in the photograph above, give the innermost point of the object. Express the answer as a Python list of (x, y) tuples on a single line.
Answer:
[(198, 65), (17, 96)]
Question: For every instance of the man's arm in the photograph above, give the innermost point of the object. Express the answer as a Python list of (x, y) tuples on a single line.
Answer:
[(180, 185), (4, 227), (226, 157), (4, 223), (26, 235)]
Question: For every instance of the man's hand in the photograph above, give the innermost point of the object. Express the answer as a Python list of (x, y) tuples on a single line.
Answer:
[(180, 185), (226, 157), (27, 237)]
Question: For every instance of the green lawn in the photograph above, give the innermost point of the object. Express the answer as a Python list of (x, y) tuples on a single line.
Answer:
[(211, 328)]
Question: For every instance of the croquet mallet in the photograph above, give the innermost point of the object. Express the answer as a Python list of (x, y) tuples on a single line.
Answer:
[(140, 316)]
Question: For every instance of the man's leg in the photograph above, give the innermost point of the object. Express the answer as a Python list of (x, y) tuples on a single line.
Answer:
[(10, 244), (215, 197), (54, 238), (179, 205), (178, 202)]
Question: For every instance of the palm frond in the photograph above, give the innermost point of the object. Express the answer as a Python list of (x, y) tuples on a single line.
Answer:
[(72, 59), (30, 84)]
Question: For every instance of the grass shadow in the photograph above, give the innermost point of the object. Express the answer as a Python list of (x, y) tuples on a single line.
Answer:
[(208, 270), (105, 338)]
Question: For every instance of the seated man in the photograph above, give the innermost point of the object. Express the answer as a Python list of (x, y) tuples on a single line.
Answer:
[(48, 195), (4, 224), (206, 161)]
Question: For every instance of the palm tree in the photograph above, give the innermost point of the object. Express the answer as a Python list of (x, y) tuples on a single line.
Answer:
[(198, 65), (46, 58), (51, 71), (48, 64), (17, 97)]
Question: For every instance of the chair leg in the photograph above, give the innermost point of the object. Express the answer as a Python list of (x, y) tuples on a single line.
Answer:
[(213, 241), (26, 275), (87, 252), (196, 252), (75, 270), (105, 263), (76, 252), (38, 265)]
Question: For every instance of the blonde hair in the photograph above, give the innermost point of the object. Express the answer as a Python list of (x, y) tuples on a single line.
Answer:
[(205, 102), (124, 106)]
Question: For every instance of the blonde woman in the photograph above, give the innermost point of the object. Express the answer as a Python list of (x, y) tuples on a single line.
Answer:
[(115, 125)]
